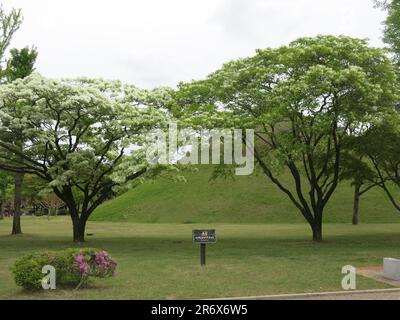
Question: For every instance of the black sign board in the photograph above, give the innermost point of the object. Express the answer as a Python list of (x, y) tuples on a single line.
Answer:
[(204, 236)]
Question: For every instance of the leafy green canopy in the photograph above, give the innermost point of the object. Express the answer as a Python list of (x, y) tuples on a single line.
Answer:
[(303, 100)]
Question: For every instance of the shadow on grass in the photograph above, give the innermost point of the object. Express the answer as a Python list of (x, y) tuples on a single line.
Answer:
[(230, 246)]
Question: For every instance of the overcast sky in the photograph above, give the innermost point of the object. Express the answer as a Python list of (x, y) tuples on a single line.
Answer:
[(161, 42)]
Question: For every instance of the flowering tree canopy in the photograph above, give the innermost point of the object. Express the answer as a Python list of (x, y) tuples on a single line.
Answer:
[(84, 137)]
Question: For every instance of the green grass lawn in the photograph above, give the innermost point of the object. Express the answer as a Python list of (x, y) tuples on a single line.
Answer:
[(159, 261)]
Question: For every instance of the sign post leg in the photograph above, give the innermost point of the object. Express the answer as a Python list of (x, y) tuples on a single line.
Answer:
[(202, 254)]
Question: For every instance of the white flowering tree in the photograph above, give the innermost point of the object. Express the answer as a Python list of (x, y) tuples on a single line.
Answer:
[(84, 137)]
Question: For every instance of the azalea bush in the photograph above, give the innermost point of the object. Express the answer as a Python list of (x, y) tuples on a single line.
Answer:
[(95, 264), (74, 267)]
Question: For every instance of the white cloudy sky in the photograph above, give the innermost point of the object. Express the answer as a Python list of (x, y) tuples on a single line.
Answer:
[(161, 42)]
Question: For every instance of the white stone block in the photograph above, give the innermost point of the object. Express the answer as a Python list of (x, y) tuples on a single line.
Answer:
[(391, 268)]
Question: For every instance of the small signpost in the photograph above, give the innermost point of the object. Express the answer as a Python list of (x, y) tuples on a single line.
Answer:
[(203, 237)]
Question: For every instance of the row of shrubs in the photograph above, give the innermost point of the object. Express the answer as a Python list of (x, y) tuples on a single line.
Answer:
[(73, 267)]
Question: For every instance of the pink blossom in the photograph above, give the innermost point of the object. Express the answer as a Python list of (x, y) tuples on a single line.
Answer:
[(84, 267)]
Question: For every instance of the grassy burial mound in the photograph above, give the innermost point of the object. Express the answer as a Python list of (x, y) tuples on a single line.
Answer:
[(244, 199)]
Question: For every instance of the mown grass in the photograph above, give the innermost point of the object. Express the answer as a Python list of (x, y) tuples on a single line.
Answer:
[(159, 261)]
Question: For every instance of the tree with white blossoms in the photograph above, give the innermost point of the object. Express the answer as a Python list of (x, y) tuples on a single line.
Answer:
[(86, 138)]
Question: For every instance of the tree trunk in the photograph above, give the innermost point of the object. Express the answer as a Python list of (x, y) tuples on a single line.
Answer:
[(356, 204), (317, 229), (79, 227), (1, 210), (16, 229)]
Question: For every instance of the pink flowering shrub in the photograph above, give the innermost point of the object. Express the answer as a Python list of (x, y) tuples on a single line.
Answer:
[(73, 267), (98, 264)]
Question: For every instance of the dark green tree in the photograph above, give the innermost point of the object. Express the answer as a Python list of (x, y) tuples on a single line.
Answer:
[(377, 149), (392, 26), (5, 183), (380, 147), (357, 170), (20, 65), (9, 24)]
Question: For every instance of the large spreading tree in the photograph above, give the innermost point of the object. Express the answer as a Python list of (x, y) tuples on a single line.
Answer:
[(84, 137), (303, 100)]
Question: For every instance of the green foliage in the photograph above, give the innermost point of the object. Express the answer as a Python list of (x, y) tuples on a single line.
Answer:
[(5, 182), (9, 24), (379, 146), (303, 100), (28, 274), (21, 64), (392, 26), (28, 270), (33, 188)]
